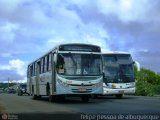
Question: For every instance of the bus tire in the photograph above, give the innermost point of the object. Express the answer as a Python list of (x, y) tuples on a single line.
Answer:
[(39, 97), (47, 89), (48, 92), (53, 98), (34, 97), (85, 98), (119, 96)]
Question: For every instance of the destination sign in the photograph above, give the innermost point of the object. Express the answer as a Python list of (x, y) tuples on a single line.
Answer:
[(86, 48)]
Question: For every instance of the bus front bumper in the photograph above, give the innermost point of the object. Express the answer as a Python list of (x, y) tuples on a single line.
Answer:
[(109, 91)]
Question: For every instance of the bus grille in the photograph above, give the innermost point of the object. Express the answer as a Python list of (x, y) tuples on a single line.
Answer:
[(81, 85), (78, 91)]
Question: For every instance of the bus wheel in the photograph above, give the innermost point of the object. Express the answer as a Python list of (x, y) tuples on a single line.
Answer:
[(51, 98), (85, 98), (119, 96), (39, 97), (34, 97)]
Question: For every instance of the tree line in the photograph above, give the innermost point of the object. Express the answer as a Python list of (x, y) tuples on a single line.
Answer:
[(147, 82)]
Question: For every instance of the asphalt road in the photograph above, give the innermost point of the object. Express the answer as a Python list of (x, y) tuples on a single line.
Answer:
[(13, 104)]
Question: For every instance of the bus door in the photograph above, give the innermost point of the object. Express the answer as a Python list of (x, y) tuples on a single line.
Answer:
[(38, 68), (53, 59), (29, 85)]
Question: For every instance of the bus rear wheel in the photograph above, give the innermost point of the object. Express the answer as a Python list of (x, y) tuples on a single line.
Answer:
[(51, 98), (34, 97)]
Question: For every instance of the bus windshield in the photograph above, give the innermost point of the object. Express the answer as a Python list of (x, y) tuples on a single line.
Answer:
[(79, 64), (122, 73), (126, 72), (111, 73), (118, 68)]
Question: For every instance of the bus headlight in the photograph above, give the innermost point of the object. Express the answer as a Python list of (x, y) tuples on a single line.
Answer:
[(106, 85), (133, 84), (65, 84), (62, 83), (113, 86)]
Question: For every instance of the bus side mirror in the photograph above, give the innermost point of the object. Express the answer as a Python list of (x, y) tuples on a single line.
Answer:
[(134, 62)]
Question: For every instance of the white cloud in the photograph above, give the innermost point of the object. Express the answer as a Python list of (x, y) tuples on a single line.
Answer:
[(90, 34), (17, 65), (8, 32), (126, 10)]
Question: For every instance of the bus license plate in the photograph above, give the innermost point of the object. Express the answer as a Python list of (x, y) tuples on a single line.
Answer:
[(121, 91), (82, 89)]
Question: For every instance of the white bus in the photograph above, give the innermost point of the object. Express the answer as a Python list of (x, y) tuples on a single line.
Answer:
[(119, 76), (67, 70)]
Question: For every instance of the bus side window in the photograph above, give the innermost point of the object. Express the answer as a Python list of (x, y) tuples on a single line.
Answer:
[(28, 72), (39, 68), (45, 66), (31, 70), (34, 69), (49, 64), (41, 65)]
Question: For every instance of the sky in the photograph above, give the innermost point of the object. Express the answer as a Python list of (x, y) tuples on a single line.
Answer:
[(29, 28)]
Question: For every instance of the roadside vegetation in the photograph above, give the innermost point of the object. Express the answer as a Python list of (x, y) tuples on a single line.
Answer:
[(147, 82)]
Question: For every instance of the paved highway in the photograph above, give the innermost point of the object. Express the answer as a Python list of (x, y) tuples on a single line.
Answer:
[(13, 104)]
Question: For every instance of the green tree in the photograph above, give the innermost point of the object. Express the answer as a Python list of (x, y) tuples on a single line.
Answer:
[(148, 82)]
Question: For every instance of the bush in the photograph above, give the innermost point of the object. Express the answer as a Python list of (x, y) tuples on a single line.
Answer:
[(145, 89), (157, 89), (148, 83)]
